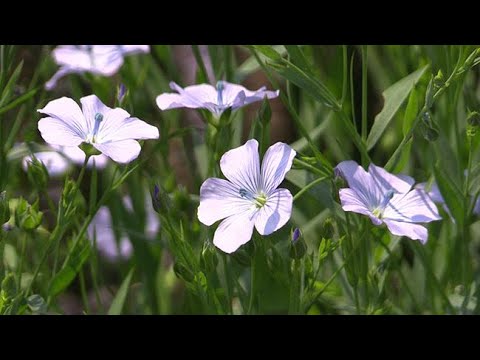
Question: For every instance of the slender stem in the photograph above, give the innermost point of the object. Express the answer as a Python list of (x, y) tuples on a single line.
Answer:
[(83, 291), (308, 187), (82, 171), (228, 283), (252, 285), (23, 241), (308, 166), (402, 277), (364, 93)]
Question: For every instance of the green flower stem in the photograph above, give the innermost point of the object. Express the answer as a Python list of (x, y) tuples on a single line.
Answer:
[(308, 187)]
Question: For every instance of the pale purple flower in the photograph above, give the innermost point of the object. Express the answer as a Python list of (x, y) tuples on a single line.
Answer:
[(437, 197), (111, 131), (55, 163), (215, 99), (97, 59), (387, 198), (101, 230), (249, 197)]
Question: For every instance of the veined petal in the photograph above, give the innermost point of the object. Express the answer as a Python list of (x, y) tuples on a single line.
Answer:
[(72, 56), (66, 111), (413, 231), (117, 128), (275, 213), (361, 182), (106, 59), (351, 201), (434, 192), (56, 132), (276, 163), (169, 101), (234, 231), (91, 105), (220, 199), (122, 152), (415, 206), (242, 166), (386, 181), (203, 96), (236, 96)]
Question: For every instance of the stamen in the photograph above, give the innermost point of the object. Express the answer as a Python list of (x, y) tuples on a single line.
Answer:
[(378, 211), (98, 120), (220, 87)]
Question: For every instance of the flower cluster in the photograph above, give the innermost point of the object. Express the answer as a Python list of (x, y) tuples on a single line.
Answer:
[(249, 197)]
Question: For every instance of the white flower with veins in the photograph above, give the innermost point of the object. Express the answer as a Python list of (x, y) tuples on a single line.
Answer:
[(249, 197), (111, 131)]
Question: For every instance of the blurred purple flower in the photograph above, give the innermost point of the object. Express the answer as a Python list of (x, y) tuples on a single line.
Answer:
[(111, 131), (437, 197), (97, 59), (249, 197), (387, 198), (215, 99), (101, 230)]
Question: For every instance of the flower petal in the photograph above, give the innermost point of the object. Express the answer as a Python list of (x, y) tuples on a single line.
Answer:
[(236, 96), (66, 111), (413, 231), (242, 166), (233, 232), (361, 182), (275, 213), (91, 105), (64, 70), (72, 56), (387, 181), (56, 132), (122, 152), (351, 201), (135, 49), (117, 126), (201, 96), (101, 230), (415, 206), (220, 199), (276, 163)]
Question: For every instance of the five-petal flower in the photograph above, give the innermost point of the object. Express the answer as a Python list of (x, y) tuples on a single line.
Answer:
[(215, 99), (111, 131), (249, 197), (387, 198), (97, 59)]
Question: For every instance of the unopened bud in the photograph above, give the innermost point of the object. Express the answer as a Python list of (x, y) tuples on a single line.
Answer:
[(183, 272), (297, 246), (473, 118), (208, 259), (27, 217)]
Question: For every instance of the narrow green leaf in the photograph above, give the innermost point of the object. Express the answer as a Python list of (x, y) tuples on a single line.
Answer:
[(261, 126), (119, 300), (18, 101), (411, 111), (394, 97), (10, 86), (268, 51), (451, 193), (65, 276), (297, 57)]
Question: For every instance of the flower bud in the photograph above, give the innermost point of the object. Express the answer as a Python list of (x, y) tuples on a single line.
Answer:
[(121, 93), (208, 259), (297, 246), (27, 217), (473, 118), (438, 80), (37, 174), (328, 229), (183, 272)]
